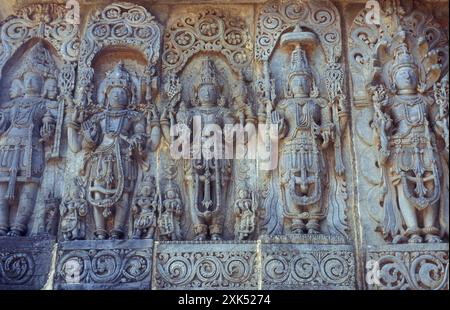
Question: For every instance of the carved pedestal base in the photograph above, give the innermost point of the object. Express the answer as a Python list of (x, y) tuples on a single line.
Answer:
[(273, 263), (197, 265), (407, 266), (87, 265), (25, 263), (295, 263)]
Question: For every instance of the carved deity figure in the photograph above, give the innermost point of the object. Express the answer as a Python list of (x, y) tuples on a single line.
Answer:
[(73, 212), (208, 176), (306, 130), (114, 142), (145, 210), (245, 212), (51, 218), (26, 126), (170, 215), (407, 155)]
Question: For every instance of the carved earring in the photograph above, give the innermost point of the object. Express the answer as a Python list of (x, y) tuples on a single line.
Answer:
[(288, 91), (314, 90)]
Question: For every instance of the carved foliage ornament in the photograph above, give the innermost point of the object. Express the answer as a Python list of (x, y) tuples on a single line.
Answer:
[(39, 21), (369, 45), (209, 30), (419, 270), (119, 24), (105, 266), (278, 16)]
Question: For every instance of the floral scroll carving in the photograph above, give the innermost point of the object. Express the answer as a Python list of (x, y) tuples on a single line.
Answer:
[(119, 24), (208, 30), (39, 21), (277, 16)]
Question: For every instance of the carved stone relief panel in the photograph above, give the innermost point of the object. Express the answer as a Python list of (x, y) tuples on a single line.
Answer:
[(208, 51), (116, 126), (185, 265), (399, 106), (37, 61), (91, 265), (300, 266), (114, 122), (301, 89), (409, 267), (400, 100), (25, 264)]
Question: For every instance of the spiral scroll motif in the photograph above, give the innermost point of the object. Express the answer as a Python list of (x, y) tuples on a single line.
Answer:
[(277, 17), (45, 21), (209, 30), (308, 269), (107, 267), (411, 270), (215, 269), (16, 268)]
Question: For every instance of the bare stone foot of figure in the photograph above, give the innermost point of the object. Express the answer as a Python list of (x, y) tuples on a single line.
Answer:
[(3, 232), (15, 233), (100, 235), (313, 231), (399, 239), (201, 237), (216, 237), (415, 239)]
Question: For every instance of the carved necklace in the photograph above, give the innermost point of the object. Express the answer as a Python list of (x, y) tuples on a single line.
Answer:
[(115, 131), (417, 101)]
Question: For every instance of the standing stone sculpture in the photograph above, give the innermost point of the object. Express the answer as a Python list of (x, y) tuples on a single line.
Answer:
[(305, 127), (145, 208), (208, 176), (73, 212), (246, 213), (114, 142), (26, 126), (407, 154), (170, 215)]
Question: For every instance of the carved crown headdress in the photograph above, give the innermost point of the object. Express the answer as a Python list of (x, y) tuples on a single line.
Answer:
[(208, 74), (118, 77), (299, 64), (402, 58), (39, 60)]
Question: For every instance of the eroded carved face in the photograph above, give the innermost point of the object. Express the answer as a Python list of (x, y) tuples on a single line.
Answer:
[(406, 79), (118, 97), (300, 86), (171, 194), (16, 89), (51, 88), (207, 95), (33, 83), (243, 194)]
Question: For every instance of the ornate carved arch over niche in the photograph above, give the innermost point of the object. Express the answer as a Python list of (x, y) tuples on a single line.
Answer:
[(372, 46), (118, 24), (46, 21), (279, 15), (211, 29)]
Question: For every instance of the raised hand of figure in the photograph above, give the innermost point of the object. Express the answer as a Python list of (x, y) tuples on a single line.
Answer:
[(277, 120)]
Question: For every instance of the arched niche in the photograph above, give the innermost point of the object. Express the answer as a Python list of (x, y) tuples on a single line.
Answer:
[(119, 26), (12, 66), (106, 59)]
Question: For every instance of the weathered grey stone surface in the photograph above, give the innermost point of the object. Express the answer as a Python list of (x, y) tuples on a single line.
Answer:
[(25, 263), (212, 265), (355, 195), (97, 265)]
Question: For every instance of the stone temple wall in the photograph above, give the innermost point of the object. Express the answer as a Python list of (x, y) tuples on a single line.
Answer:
[(347, 187)]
